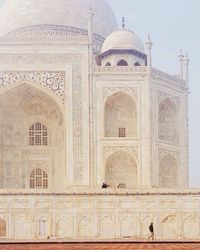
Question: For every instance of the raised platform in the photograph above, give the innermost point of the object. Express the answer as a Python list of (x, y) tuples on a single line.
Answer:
[(103, 214)]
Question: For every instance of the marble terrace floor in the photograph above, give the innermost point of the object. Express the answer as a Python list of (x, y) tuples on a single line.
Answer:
[(102, 246)]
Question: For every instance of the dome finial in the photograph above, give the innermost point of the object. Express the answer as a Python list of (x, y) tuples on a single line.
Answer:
[(123, 22)]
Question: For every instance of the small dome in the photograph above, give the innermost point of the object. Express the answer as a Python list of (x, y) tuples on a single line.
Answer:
[(123, 39)]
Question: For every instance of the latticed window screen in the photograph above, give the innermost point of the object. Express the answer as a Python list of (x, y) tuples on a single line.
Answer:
[(122, 132), (38, 179), (38, 135)]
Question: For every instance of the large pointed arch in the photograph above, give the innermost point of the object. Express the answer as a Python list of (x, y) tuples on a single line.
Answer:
[(121, 170), (168, 121), (43, 89), (21, 107), (120, 114)]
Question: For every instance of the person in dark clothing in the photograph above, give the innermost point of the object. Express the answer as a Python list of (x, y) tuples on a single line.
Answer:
[(151, 229), (104, 185)]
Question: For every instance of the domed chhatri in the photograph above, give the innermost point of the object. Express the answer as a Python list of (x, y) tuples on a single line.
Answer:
[(122, 48), (123, 39), (18, 14)]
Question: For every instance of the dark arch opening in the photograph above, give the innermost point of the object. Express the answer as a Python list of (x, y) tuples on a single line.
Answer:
[(137, 64), (122, 63), (108, 64)]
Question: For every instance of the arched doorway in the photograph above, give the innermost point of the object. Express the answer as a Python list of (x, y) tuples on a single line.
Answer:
[(121, 170)]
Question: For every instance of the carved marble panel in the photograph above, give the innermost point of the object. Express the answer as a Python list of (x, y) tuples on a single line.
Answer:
[(53, 81), (108, 91), (65, 225), (109, 150)]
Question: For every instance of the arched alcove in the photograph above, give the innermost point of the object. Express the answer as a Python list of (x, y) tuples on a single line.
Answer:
[(122, 62), (168, 121), (168, 172), (20, 108), (121, 169), (120, 116), (137, 64), (108, 64)]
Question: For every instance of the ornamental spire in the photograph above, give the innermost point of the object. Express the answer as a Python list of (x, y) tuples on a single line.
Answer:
[(123, 22)]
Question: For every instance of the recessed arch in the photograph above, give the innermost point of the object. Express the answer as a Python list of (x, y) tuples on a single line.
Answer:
[(137, 64), (108, 64), (168, 121), (46, 91), (122, 62), (20, 107), (120, 112), (168, 172), (121, 169)]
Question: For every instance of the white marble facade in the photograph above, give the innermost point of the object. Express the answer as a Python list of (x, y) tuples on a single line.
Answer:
[(69, 122)]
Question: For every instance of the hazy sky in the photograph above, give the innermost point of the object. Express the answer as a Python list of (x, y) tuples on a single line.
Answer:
[(173, 25)]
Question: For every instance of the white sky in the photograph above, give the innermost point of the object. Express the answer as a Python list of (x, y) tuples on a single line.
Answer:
[(173, 25)]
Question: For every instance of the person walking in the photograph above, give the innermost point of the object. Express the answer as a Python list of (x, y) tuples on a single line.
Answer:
[(151, 229)]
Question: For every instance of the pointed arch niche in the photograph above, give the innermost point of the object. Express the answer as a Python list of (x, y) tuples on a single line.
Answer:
[(168, 121), (120, 114), (20, 107), (121, 169), (168, 172)]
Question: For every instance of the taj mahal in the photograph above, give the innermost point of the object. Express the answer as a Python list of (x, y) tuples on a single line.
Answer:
[(81, 105)]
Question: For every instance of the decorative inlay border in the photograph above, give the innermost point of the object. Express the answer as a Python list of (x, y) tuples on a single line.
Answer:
[(51, 34), (164, 76), (109, 150), (108, 91), (53, 81), (163, 152), (163, 95), (114, 69)]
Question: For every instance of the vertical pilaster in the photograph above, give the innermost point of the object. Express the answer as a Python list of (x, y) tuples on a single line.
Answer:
[(186, 62), (91, 96), (146, 154)]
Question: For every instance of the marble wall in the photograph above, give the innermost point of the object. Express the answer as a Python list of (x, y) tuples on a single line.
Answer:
[(97, 216)]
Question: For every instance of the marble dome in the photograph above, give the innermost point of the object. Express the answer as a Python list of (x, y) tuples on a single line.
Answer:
[(18, 14), (123, 39)]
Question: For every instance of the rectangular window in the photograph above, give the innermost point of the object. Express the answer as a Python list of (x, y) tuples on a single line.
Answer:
[(122, 132)]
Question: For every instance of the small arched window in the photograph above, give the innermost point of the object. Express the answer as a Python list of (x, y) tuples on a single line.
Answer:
[(122, 63), (137, 64), (38, 135), (108, 64), (38, 179)]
